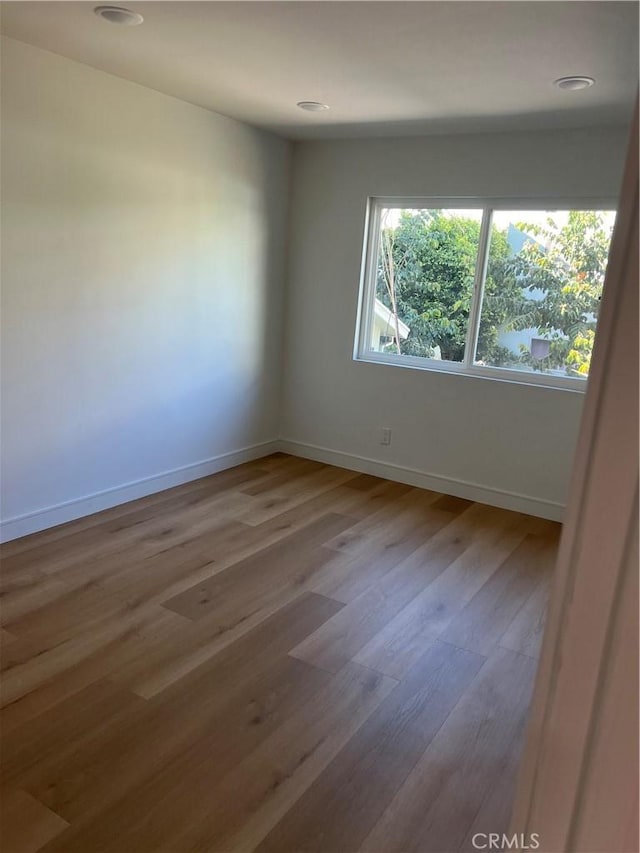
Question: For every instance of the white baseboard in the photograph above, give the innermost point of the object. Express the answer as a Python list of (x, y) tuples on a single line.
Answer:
[(42, 519), (23, 525), (460, 488)]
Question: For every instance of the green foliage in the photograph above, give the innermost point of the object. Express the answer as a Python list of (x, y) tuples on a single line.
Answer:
[(552, 284), (565, 268), (434, 260)]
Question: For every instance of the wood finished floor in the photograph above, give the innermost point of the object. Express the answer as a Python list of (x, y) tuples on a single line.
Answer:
[(284, 657)]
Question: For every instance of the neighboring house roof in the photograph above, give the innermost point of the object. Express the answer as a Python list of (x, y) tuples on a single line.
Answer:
[(385, 316)]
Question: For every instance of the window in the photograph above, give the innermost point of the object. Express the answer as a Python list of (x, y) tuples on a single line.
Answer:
[(483, 288)]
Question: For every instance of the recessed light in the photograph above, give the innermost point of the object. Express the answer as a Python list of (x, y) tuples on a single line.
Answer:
[(312, 106), (119, 15), (574, 83)]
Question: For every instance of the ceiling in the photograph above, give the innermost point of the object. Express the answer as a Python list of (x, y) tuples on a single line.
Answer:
[(385, 68)]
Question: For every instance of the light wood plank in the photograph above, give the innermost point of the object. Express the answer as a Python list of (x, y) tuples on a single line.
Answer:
[(70, 672), (75, 776), (494, 813), (280, 499), (253, 714), (224, 740), (76, 719), (175, 570), (282, 477), (156, 526), (345, 577), (340, 808), (253, 583), (242, 807), (349, 631), (524, 634), (484, 620), (400, 643), (440, 799), (170, 499), (26, 667), (387, 527), (192, 539), (450, 503)]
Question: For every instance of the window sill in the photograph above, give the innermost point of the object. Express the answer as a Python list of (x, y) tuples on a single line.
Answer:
[(493, 374)]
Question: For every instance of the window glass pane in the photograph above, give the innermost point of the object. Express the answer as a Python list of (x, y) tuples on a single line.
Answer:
[(542, 291), (424, 281)]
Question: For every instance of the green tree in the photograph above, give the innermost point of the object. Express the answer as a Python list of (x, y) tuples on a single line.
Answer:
[(561, 275), (425, 277)]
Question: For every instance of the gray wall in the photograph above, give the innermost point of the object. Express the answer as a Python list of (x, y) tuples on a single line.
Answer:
[(510, 440), (142, 278)]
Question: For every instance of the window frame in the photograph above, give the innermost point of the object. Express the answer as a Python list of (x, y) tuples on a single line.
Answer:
[(487, 205)]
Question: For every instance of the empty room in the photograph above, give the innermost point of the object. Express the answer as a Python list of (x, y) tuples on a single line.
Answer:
[(319, 436)]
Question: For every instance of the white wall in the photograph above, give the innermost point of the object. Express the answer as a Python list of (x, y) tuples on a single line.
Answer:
[(514, 442), (143, 244), (142, 277)]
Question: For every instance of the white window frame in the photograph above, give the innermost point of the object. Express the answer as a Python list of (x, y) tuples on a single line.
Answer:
[(375, 205)]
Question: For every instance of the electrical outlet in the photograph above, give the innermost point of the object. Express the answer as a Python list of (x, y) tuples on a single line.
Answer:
[(385, 435)]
